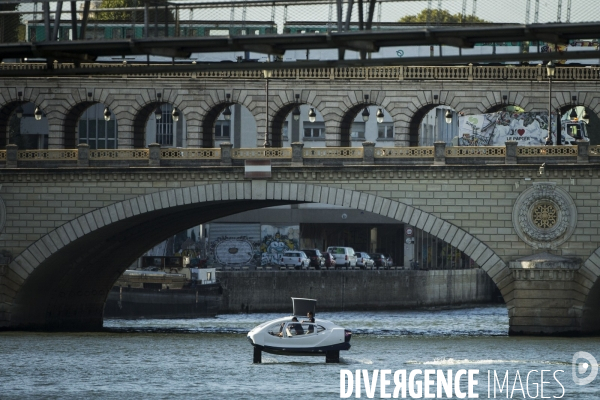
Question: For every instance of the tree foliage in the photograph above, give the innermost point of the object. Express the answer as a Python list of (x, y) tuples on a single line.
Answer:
[(443, 16), (155, 8)]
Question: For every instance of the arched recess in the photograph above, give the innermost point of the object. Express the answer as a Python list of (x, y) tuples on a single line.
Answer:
[(72, 126), (276, 125), (209, 121), (439, 129), (65, 276), (348, 120), (174, 136), (8, 116)]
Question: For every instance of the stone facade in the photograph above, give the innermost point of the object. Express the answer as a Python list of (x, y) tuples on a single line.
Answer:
[(73, 231), (200, 100)]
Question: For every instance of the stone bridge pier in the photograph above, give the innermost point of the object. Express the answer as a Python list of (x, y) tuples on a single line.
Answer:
[(71, 232)]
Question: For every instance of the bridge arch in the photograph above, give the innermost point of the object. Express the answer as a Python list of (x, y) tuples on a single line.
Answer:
[(362, 101), (590, 284), (8, 107), (61, 281)]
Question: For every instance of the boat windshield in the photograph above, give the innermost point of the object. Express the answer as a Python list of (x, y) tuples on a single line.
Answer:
[(296, 329)]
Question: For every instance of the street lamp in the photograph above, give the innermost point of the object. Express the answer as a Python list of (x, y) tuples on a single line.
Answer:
[(37, 114), (550, 69), (175, 114), (573, 114), (312, 115), (227, 112), (158, 112), (585, 117), (19, 108), (106, 114), (448, 117), (379, 115), (366, 113), (296, 112)]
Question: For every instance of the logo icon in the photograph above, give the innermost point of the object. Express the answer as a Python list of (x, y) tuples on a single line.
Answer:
[(581, 367), (399, 53)]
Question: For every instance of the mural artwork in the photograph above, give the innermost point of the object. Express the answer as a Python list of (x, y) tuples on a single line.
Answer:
[(234, 251), (277, 240)]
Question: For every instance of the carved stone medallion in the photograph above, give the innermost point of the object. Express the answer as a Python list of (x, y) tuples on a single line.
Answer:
[(544, 216)]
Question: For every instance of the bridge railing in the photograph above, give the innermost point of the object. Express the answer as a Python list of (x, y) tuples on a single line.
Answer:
[(368, 154), (454, 72)]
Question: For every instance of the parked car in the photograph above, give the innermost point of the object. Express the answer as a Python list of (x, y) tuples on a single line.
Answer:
[(380, 259), (344, 256), (296, 259), (329, 260), (316, 257), (363, 260)]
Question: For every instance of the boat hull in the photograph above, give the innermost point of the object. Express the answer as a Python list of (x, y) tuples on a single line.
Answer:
[(139, 303), (304, 351)]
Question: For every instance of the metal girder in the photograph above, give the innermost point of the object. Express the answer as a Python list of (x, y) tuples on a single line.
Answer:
[(381, 62), (277, 44)]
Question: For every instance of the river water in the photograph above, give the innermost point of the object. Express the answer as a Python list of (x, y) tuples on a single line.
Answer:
[(212, 359)]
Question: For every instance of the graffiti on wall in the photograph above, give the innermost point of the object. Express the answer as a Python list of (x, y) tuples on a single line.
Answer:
[(277, 240), (235, 251)]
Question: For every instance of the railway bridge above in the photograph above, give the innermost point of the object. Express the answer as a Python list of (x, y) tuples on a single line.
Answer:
[(73, 220)]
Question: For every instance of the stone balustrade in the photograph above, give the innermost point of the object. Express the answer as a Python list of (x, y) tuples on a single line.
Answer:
[(455, 72), (366, 155)]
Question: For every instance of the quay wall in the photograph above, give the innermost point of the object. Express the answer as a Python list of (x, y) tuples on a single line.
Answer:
[(270, 291)]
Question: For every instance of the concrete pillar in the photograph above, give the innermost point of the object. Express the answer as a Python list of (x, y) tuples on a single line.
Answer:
[(226, 153), (511, 152), (368, 153), (297, 158), (11, 155), (154, 160), (582, 151), (439, 153), (83, 155)]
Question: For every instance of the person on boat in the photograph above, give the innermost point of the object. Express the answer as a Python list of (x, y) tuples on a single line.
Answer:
[(297, 327), (311, 319)]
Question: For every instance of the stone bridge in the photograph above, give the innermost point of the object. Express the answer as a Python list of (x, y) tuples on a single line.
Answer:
[(72, 231), (406, 94)]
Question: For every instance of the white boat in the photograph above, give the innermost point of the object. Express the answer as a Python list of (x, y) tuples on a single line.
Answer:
[(297, 336)]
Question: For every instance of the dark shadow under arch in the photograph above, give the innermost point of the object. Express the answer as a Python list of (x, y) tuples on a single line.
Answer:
[(276, 128), (140, 121), (208, 124), (415, 122), (70, 123), (5, 114), (348, 120)]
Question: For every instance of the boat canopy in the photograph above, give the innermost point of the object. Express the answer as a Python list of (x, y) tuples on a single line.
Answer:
[(303, 306)]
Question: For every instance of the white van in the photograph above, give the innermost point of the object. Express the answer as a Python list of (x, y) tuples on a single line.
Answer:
[(344, 256)]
